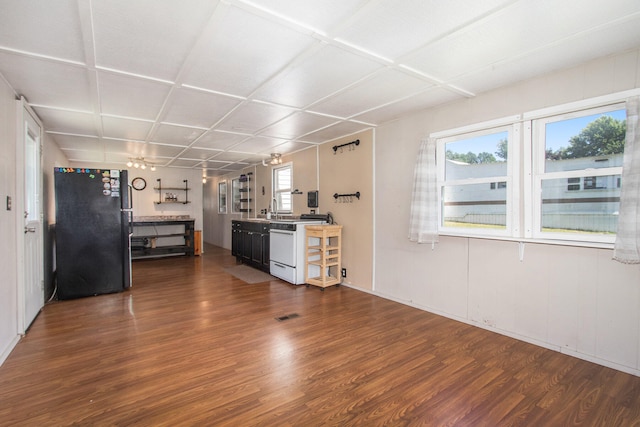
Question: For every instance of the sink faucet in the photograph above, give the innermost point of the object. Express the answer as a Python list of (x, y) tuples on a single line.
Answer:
[(275, 206)]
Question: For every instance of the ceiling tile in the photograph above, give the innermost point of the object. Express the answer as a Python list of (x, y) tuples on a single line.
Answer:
[(392, 29), (322, 18), (155, 151), (176, 135), (257, 144), (292, 146), (230, 156), (130, 97), (239, 65), (67, 121), (196, 108), (148, 37), (78, 143), (131, 148), (234, 166), (47, 83), (214, 164), (50, 28), (255, 158), (185, 163), (335, 131), (426, 99), (114, 127), (198, 154), (89, 158), (327, 71), (253, 116), (387, 86), (298, 124), (121, 158), (219, 140)]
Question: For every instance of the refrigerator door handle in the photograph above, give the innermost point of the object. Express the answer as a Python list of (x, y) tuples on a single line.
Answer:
[(130, 209)]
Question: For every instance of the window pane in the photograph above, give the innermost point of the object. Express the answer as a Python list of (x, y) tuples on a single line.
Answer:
[(284, 201), (283, 178), (594, 141), (477, 157), (586, 205), (235, 194), (222, 197), (282, 182), (475, 205)]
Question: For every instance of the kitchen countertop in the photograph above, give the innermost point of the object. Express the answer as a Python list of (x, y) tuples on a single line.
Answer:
[(157, 218)]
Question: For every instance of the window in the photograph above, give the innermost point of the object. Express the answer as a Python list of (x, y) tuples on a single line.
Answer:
[(562, 184), (235, 194), (475, 180), (282, 183), (577, 168), (573, 184), (222, 197)]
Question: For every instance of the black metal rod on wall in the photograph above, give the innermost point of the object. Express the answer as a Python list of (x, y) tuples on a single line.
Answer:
[(348, 197), (335, 147)]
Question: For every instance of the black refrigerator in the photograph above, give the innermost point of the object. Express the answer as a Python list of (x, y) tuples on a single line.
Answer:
[(92, 232)]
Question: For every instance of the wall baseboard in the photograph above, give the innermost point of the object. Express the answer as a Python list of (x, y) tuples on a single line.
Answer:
[(9, 348)]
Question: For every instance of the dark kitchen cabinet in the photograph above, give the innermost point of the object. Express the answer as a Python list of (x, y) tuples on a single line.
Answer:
[(236, 238), (250, 243)]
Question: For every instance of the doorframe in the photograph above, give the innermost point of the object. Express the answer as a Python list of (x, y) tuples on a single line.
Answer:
[(22, 108)]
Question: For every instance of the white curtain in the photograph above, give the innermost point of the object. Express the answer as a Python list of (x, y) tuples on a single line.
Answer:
[(627, 246), (423, 224)]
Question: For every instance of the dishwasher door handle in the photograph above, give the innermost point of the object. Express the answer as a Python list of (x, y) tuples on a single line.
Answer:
[(286, 233)]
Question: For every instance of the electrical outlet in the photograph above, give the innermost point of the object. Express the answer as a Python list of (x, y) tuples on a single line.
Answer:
[(344, 272)]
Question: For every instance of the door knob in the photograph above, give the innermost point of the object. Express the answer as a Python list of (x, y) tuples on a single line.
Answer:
[(29, 229)]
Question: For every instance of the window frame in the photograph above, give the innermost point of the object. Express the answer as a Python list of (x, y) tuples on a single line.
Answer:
[(539, 174), (222, 201), (511, 178), (276, 193), (524, 177), (235, 195)]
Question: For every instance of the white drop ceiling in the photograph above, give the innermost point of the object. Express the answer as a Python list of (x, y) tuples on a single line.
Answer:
[(219, 85)]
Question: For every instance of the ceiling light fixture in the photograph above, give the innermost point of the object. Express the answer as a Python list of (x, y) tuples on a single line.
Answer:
[(276, 159), (140, 162)]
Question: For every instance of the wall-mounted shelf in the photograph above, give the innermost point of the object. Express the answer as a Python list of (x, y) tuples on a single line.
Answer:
[(245, 193), (170, 197)]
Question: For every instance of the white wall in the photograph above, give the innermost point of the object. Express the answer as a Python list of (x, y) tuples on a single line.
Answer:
[(571, 299), (8, 220)]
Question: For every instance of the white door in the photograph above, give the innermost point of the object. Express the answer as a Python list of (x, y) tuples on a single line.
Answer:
[(30, 241)]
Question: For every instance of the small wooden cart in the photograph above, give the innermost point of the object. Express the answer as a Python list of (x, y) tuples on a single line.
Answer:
[(323, 255)]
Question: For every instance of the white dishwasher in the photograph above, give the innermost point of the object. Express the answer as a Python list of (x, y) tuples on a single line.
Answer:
[(286, 249)]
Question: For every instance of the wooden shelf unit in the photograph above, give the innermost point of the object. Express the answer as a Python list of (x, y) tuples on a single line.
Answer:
[(323, 255), (159, 238)]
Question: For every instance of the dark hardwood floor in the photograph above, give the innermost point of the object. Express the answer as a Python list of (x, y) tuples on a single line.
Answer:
[(191, 345)]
